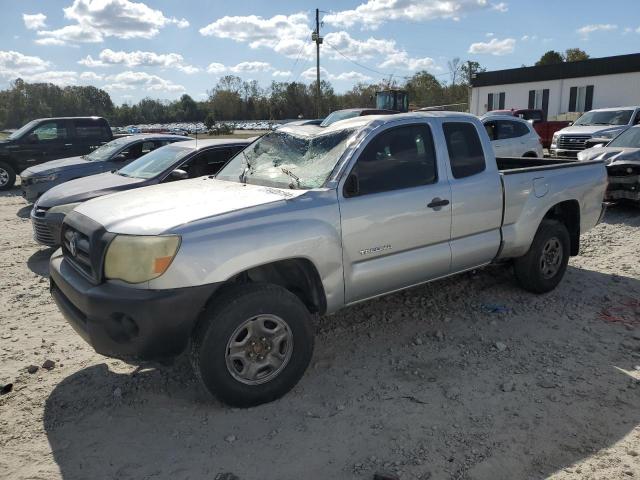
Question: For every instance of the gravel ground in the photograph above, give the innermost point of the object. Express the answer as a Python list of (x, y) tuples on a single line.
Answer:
[(467, 378)]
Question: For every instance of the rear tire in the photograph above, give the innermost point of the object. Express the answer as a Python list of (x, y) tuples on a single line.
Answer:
[(544, 265), (7, 176), (252, 344)]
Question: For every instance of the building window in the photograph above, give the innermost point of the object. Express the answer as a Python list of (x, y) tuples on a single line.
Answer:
[(495, 101), (581, 98), (539, 100)]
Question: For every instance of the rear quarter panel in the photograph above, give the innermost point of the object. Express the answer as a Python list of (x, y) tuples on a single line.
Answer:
[(529, 195)]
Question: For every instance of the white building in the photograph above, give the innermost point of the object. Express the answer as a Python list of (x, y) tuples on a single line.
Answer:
[(561, 88)]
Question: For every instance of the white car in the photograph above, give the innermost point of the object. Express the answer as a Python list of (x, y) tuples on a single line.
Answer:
[(512, 137)]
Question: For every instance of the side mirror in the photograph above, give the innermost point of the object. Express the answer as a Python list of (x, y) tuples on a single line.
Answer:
[(570, 123), (178, 174), (32, 138), (351, 186)]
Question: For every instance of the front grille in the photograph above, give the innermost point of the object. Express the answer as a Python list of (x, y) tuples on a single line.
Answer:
[(43, 233), (76, 247), (572, 142)]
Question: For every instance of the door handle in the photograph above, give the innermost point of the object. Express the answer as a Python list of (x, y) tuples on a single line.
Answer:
[(68, 144), (438, 202)]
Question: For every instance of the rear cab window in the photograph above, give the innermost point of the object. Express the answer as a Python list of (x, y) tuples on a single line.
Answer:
[(92, 129), (466, 156)]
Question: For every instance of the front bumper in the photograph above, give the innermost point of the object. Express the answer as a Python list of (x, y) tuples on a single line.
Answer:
[(558, 152), (124, 322), (46, 227), (32, 191)]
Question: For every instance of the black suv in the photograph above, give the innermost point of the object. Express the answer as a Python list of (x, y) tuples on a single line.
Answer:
[(47, 139)]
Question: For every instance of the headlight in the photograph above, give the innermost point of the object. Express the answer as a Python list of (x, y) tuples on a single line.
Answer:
[(554, 139), (136, 259), (46, 178), (66, 208)]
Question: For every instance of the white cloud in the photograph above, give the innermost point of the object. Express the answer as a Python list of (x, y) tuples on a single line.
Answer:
[(91, 76), (35, 21), (281, 73), (15, 64), (50, 41), (216, 68), (131, 80), (285, 34), (310, 75), (403, 61), (494, 47), (373, 13), (526, 38), (108, 57), (501, 7), (600, 27), (240, 68), (97, 19)]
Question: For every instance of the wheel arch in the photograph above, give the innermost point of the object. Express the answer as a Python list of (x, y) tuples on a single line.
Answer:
[(298, 275), (567, 213)]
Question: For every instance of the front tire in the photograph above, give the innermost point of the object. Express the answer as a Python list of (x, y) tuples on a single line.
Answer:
[(7, 176), (252, 344), (544, 265)]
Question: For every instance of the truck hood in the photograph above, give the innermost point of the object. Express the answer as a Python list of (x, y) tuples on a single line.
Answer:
[(156, 209), (611, 154), (55, 166), (593, 130), (82, 189)]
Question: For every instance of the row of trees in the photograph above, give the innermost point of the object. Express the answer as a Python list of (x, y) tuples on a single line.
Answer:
[(231, 99), (235, 99)]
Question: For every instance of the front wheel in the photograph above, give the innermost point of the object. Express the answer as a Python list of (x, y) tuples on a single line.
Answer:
[(7, 176), (544, 265), (252, 344)]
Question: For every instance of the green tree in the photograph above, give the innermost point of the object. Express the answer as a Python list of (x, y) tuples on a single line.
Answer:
[(575, 55), (209, 121), (550, 58)]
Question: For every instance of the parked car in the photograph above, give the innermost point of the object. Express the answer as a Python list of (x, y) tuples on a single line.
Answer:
[(180, 160), (34, 181), (544, 128), (48, 139), (233, 268), (512, 137), (622, 158), (603, 124), (353, 112)]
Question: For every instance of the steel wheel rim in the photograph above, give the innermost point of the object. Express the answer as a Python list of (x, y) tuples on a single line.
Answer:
[(551, 258), (4, 177), (259, 349)]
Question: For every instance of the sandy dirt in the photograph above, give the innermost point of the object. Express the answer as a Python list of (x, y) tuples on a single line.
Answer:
[(467, 378)]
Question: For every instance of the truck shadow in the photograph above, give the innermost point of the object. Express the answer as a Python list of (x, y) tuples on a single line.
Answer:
[(454, 405), (38, 262)]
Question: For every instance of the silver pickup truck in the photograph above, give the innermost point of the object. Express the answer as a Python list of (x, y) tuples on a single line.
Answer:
[(305, 221)]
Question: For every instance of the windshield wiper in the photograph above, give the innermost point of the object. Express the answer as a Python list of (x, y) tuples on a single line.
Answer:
[(249, 166), (292, 175)]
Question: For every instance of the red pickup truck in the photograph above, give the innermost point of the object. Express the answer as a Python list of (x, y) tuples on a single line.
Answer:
[(543, 128)]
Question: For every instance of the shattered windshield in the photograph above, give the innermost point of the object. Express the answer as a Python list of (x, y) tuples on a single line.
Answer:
[(282, 159)]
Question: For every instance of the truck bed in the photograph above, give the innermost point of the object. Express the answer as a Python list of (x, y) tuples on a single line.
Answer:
[(532, 186), (508, 165)]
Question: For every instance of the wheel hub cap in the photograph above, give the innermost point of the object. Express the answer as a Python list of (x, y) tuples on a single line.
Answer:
[(4, 177), (259, 349), (551, 258)]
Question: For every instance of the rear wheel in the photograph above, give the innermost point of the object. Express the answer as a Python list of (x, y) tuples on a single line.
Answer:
[(253, 344), (544, 265), (7, 176)]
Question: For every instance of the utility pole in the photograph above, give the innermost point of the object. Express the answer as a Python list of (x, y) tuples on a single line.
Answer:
[(315, 36), (470, 88)]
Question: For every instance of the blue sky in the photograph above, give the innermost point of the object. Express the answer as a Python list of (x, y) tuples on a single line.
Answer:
[(163, 48)]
